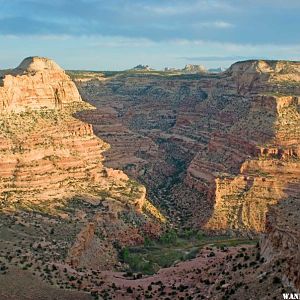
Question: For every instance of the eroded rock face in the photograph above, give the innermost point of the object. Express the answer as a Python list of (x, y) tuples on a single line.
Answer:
[(245, 73), (219, 149), (48, 154), (50, 160), (280, 243), (243, 200), (36, 83)]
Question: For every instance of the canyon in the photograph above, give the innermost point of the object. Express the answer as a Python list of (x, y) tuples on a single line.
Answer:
[(230, 141), (93, 165), (214, 151)]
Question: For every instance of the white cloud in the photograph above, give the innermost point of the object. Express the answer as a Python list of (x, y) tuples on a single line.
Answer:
[(215, 48), (183, 7), (55, 37), (222, 24), (213, 24)]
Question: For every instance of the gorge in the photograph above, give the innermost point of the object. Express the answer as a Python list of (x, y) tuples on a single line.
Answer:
[(95, 165)]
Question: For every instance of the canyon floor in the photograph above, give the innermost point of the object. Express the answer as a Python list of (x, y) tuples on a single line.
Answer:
[(149, 185)]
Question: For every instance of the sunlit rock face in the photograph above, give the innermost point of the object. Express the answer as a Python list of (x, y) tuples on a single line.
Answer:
[(43, 148), (220, 152), (50, 160), (36, 83)]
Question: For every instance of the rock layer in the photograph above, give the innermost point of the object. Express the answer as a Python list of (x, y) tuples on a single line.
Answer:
[(36, 83), (50, 160)]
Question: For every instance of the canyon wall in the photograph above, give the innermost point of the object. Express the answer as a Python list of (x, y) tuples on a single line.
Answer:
[(216, 152), (36, 83), (230, 142), (51, 161), (48, 154)]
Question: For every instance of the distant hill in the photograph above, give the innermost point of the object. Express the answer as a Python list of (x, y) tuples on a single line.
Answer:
[(194, 69), (142, 68)]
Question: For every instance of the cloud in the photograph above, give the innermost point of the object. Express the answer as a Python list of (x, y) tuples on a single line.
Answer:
[(186, 7), (104, 52), (42, 37), (223, 21), (213, 24), (222, 24)]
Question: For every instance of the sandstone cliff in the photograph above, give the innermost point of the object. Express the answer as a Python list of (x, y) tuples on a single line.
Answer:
[(36, 83), (220, 152), (50, 160)]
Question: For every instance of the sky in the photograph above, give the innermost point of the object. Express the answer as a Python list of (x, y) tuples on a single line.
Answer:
[(119, 34)]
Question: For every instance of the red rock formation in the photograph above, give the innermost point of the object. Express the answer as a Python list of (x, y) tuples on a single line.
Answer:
[(48, 154), (264, 176), (36, 83), (81, 244), (50, 161), (280, 243)]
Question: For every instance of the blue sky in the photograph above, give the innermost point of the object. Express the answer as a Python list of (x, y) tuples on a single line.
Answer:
[(119, 34)]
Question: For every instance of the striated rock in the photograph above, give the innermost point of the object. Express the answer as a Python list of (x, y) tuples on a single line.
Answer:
[(37, 64), (220, 152), (51, 162), (264, 178), (48, 154), (254, 75), (36, 83)]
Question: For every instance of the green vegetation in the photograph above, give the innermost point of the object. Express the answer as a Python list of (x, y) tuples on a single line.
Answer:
[(171, 248)]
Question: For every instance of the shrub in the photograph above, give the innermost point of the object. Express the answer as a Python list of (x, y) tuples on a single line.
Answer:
[(276, 280), (169, 237)]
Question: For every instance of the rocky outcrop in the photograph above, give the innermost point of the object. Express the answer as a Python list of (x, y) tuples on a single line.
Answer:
[(36, 83), (48, 154), (260, 75), (264, 176), (141, 68), (82, 243), (220, 152), (280, 243), (51, 163), (194, 69)]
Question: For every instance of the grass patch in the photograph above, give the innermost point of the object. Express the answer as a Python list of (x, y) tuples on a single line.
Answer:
[(173, 247)]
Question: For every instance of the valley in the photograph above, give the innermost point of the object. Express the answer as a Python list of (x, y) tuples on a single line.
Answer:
[(210, 149), (145, 184)]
